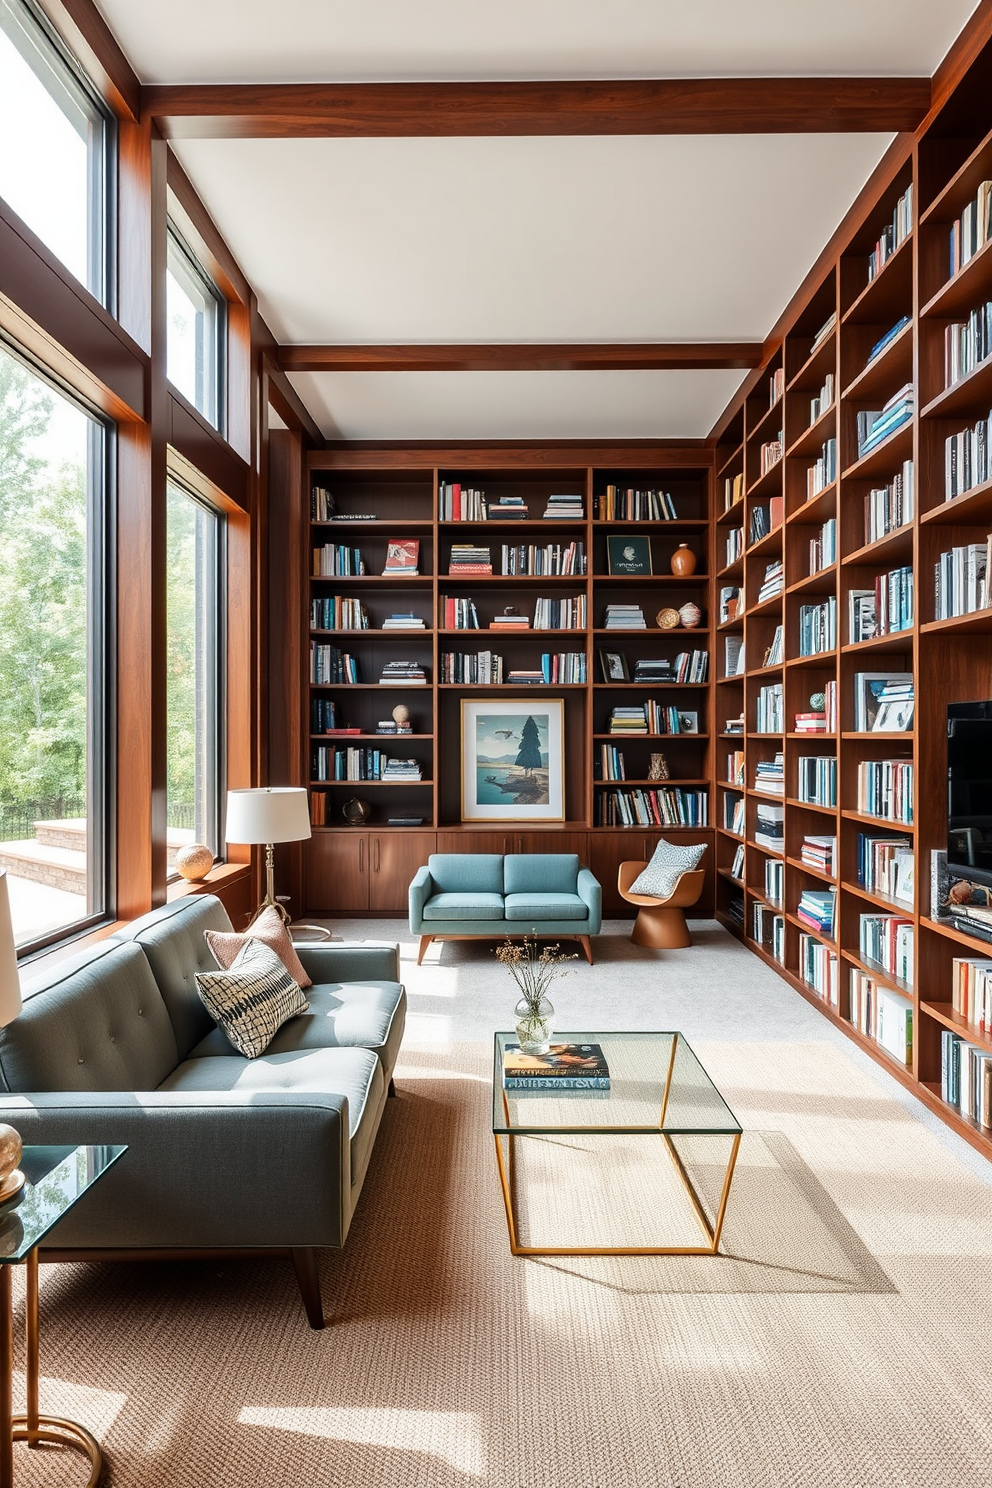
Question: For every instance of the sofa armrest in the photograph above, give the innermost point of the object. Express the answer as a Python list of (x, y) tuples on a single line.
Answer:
[(203, 1169), (421, 890), (590, 890), (358, 961)]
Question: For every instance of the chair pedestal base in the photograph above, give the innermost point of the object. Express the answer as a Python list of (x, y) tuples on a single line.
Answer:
[(661, 929)]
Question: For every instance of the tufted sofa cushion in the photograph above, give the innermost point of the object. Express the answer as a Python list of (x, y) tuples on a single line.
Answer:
[(96, 1021), (172, 939)]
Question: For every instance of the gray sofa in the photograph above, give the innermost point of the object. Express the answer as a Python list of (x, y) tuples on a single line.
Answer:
[(465, 896), (225, 1153)]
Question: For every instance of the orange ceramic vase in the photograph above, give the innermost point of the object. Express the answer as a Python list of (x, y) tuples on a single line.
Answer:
[(683, 561)]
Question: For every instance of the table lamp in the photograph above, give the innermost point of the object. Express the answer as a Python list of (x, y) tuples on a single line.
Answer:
[(263, 816)]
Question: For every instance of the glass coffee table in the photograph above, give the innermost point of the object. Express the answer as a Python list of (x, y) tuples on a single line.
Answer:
[(653, 1156), (56, 1178)]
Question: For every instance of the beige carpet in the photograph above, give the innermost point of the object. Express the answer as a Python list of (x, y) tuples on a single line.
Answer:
[(843, 1341)]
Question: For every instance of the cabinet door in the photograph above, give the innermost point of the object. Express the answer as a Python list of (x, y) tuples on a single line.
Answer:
[(549, 841), (500, 841), (607, 850), (394, 858), (337, 873)]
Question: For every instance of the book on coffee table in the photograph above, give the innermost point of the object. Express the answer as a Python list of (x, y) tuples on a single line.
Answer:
[(563, 1067)]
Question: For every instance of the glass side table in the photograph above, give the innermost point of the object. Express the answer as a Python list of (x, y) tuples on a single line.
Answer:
[(56, 1178)]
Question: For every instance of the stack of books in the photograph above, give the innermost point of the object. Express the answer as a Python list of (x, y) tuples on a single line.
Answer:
[(820, 852), (624, 617), (733, 490), (403, 557), (510, 622), (874, 427), (390, 726), (401, 769), (769, 711), (769, 930), (770, 454), (526, 677), (403, 620), (769, 828), (816, 909), (467, 559), (734, 544), (734, 725), (735, 768), (323, 715), (628, 720), (733, 656), (823, 549), (403, 674), (565, 507), (733, 814), (730, 600), (769, 775), (971, 229), (611, 763), (811, 723), (774, 580), (666, 807), (565, 1067), (458, 503), (823, 400), (509, 506), (971, 991)]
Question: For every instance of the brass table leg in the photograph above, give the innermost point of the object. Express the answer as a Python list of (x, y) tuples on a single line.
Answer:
[(33, 1427)]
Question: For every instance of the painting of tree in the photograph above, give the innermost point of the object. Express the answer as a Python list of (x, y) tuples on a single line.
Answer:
[(529, 757)]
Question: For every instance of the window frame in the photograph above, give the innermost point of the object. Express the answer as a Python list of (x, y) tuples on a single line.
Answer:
[(52, 62), (193, 268)]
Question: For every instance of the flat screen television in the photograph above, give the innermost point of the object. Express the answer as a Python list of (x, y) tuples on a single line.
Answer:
[(969, 790)]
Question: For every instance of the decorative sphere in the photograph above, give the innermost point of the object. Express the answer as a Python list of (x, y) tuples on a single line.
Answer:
[(818, 702), (401, 713), (690, 614), (356, 812), (10, 1151), (194, 862)]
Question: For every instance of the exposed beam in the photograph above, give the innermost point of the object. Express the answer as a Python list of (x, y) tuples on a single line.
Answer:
[(533, 357), (651, 106), (92, 41)]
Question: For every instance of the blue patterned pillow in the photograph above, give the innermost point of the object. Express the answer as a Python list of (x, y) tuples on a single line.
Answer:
[(253, 999), (666, 868)]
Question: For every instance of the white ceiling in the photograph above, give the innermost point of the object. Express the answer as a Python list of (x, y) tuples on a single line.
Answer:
[(327, 40), (516, 405)]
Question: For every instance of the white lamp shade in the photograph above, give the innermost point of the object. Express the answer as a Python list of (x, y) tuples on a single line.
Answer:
[(275, 813), (10, 981)]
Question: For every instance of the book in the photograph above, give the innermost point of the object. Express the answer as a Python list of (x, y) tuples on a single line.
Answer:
[(403, 557), (628, 555), (563, 1067)]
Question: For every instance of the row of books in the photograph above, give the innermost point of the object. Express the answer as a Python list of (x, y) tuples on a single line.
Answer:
[(322, 504), (669, 806), (770, 454), (734, 814), (971, 229), (620, 504), (338, 613), (818, 627), (337, 561), (764, 517), (651, 718), (560, 614), (733, 656), (887, 508), (884, 610), (774, 881), (823, 400), (735, 768), (768, 930), (773, 653), (967, 343), (882, 1015), (734, 545), (733, 490), (458, 503), (612, 764), (884, 702), (817, 779), (961, 580), (737, 866), (356, 763), (816, 908), (330, 665), (971, 991), (886, 865), (554, 558), (966, 1077), (966, 458), (478, 668), (728, 603), (820, 852), (823, 549), (885, 789), (887, 940), (893, 234), (776, 386), (819, 968), (686, 667), (874, 427), (769, 775), (769, 710), (549, 614), (823, 472)]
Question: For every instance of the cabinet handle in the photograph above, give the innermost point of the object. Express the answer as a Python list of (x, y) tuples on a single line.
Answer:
[(377, 855), (361, 854)]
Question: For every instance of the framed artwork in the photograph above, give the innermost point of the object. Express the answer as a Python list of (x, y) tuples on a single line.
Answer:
[(513, 759), (688, 723), (614, 666), (628, 555)]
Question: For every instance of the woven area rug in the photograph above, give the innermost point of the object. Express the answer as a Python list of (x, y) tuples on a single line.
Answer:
[(841, 1341)]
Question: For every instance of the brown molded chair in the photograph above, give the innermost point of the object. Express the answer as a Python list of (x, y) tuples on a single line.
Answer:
[(660, 923)]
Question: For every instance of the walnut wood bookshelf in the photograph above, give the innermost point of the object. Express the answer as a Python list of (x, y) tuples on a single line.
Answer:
[(951, 660)]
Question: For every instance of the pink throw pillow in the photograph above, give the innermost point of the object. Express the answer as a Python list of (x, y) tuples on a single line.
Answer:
[(267, 927)]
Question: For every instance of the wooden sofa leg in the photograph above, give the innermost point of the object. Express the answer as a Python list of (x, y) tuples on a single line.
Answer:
[(586, 945), (425, 941), (308, 1276)]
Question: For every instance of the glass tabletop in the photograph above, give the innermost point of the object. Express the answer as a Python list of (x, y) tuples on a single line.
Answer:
[(55, 1179), (656, 1084)]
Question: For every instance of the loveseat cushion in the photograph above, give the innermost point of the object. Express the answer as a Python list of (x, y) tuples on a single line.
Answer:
[(95, 1021), (355, 1073), (464, 906), (368, 1015), (543, 907), (468, 873), (172, 939), (540, 873)]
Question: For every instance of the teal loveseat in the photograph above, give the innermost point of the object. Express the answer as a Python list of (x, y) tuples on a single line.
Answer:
[(468, 896)]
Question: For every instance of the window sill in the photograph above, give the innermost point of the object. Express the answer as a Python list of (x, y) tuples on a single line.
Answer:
[(222, 875)]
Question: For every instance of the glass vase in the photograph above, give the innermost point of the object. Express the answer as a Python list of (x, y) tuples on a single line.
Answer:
[(534, 1026)]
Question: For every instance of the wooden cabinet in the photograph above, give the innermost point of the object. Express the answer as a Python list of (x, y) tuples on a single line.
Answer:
[(356, 872)]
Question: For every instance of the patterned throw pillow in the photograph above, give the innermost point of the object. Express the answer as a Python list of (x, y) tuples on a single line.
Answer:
[(252, 1000), (267, 926), (665, 868)]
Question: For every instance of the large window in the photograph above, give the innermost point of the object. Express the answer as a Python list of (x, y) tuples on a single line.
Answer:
[(195, 673), (53, 657), (55, 145), (195, 338)]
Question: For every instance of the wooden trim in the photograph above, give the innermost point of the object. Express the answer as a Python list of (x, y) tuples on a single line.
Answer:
[(56, 319), (976, 35), (92, 42), (560, 107), (197, 441), (510, 454), (531, 357), (214, 254)]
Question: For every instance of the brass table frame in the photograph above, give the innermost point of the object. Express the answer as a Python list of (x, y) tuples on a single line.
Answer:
[(711, 1232), (32, 1427)]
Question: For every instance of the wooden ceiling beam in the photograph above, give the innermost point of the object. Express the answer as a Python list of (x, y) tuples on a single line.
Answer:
[(596, 107), (531, 357)]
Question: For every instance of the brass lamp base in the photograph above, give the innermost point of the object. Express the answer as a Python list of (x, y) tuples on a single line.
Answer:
[(56, 1431)]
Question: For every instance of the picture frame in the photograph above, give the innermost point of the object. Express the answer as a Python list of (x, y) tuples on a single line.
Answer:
[(688, 722), (628, 557), (513, 759), (614, 666)]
